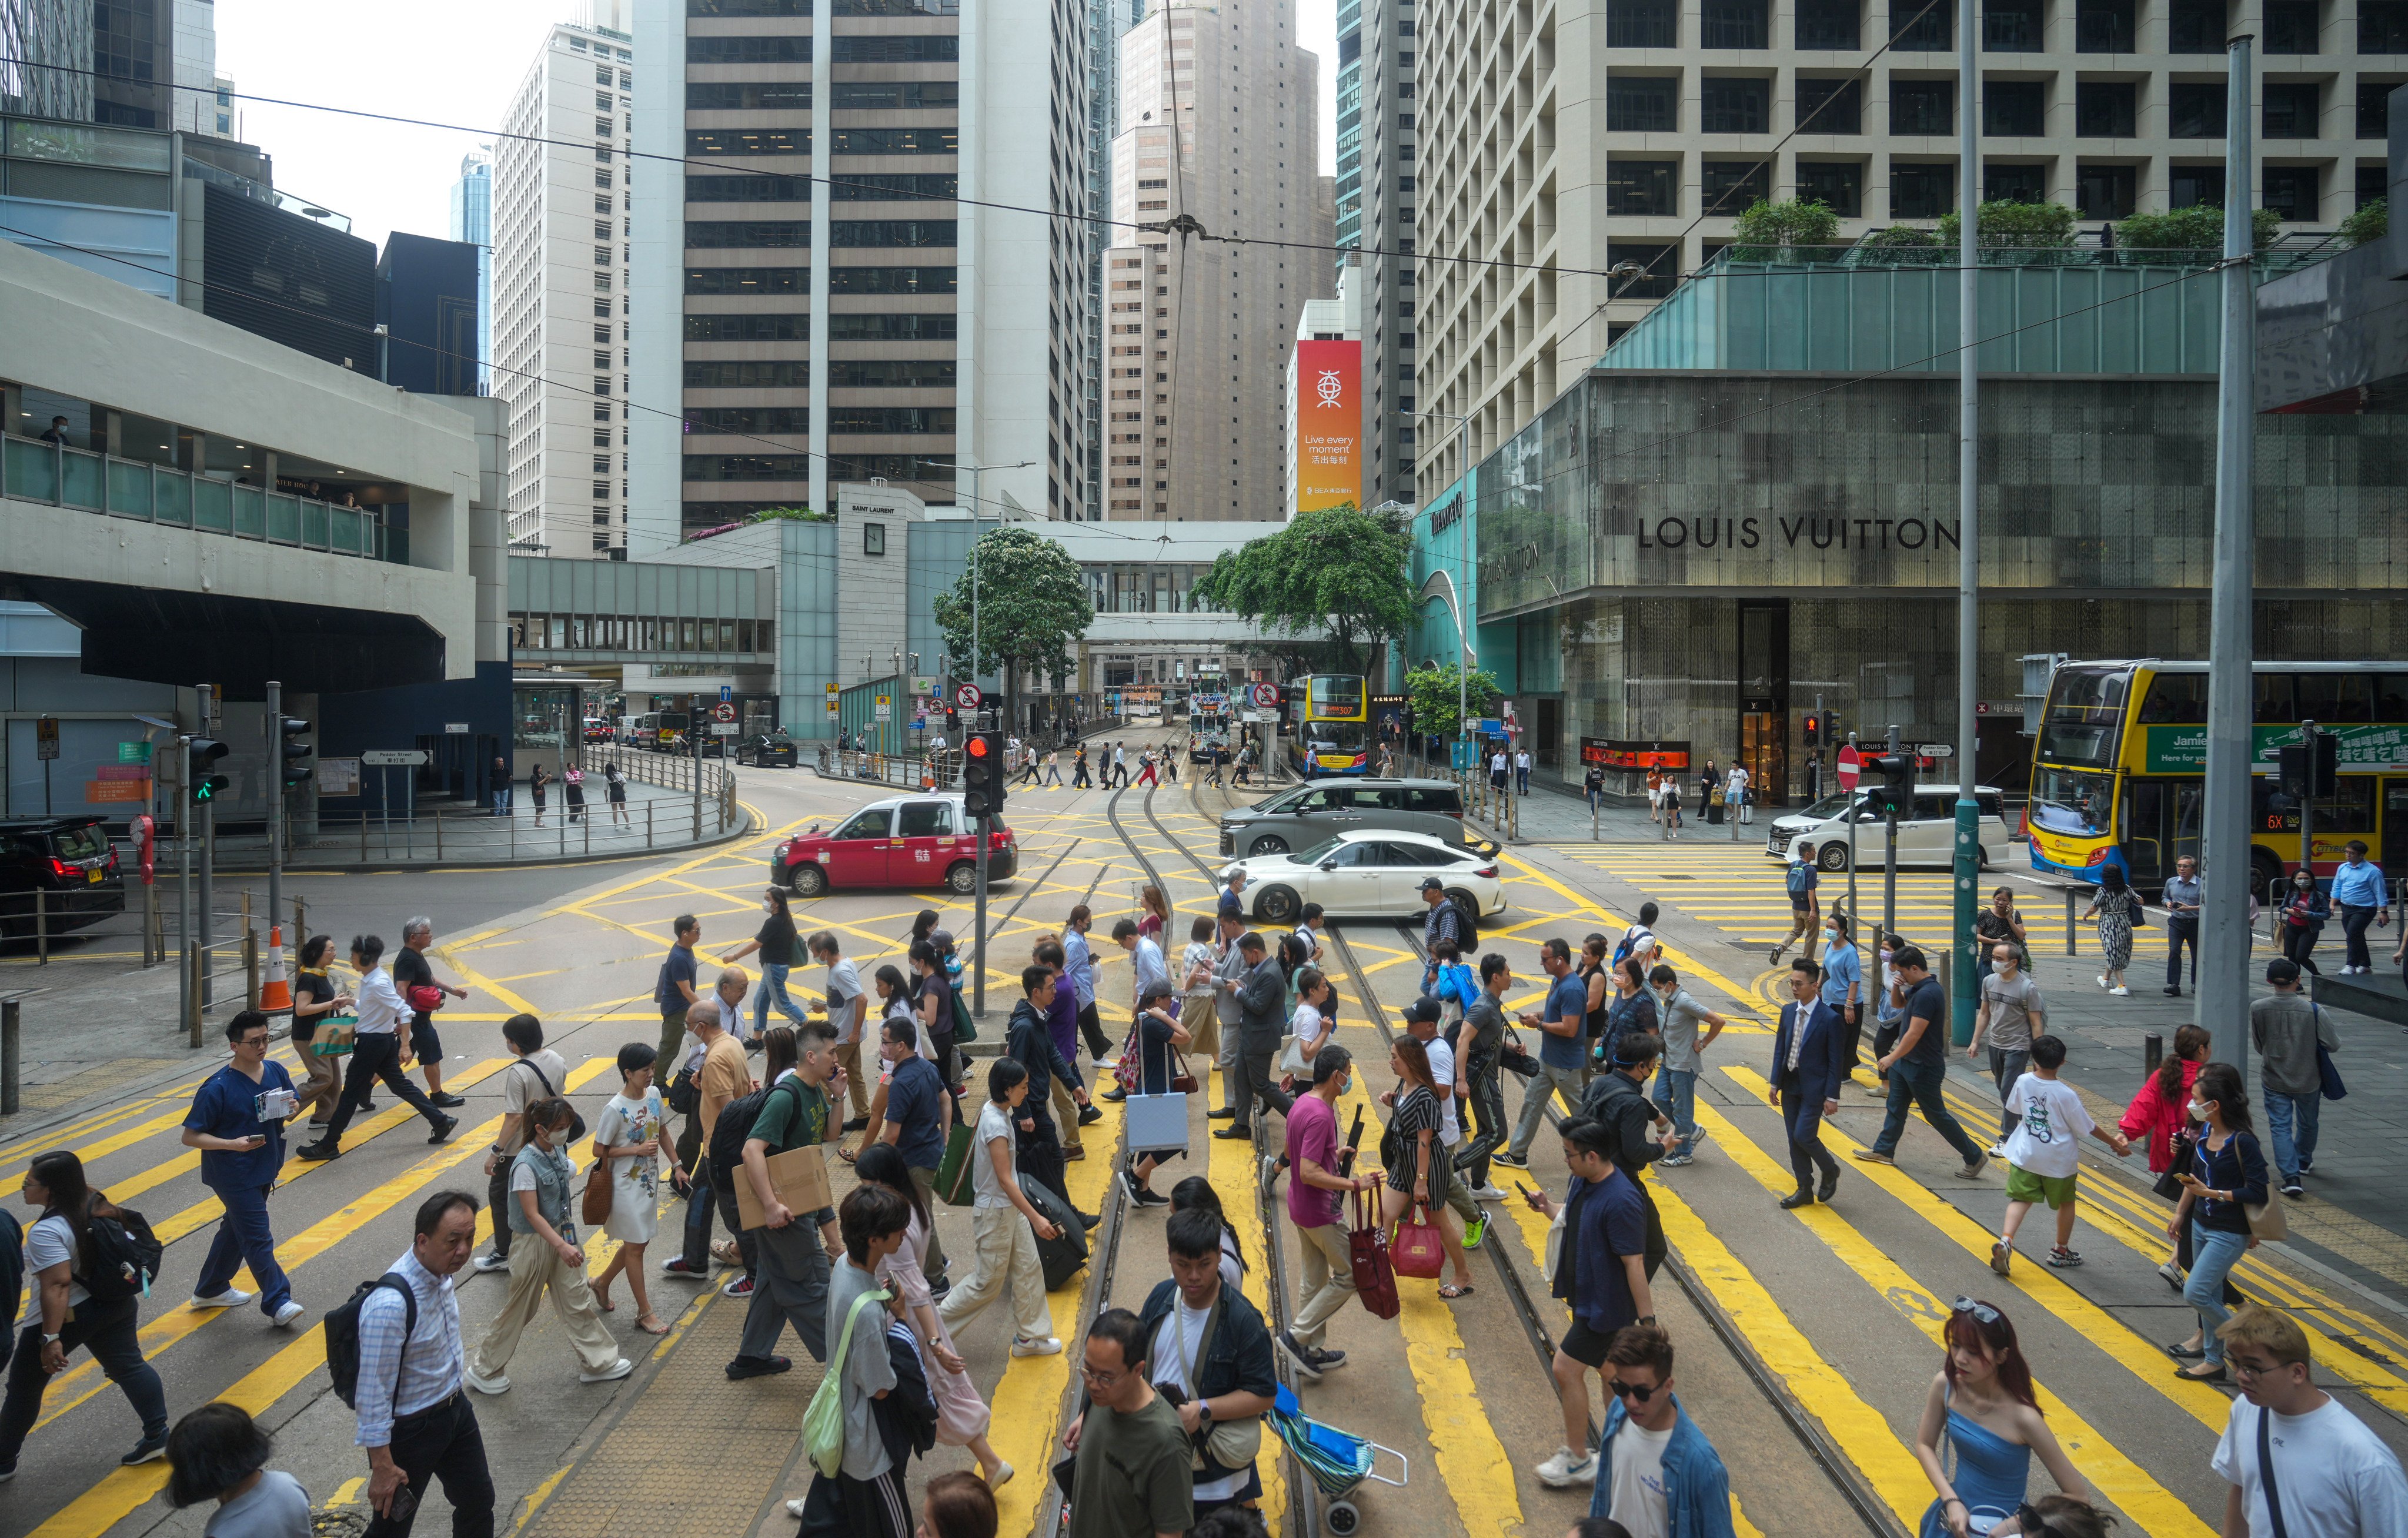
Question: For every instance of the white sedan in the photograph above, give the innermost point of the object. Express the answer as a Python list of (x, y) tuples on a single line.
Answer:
[(1369, 875)]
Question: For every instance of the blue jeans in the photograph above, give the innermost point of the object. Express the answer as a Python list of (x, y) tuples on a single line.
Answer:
[(2292, 1121), (1919, 1083), (773, 989), (1676, 1091), (2213, 1253), (501, 800), (244, 1236)]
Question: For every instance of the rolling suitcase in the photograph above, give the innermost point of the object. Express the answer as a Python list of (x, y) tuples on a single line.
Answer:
[(1064, 1254)]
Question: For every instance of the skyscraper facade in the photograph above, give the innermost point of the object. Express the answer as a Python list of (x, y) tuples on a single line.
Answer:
[(1388, 173), (874, 265), (472, 220), (1220, 124), (1110, 21), (138, 64), (561, 225)]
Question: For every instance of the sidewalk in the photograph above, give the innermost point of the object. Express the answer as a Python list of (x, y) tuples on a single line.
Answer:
[(1552, 814), (657, 817)]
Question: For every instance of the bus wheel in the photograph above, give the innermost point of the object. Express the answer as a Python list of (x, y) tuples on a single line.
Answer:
[(2265, 873)]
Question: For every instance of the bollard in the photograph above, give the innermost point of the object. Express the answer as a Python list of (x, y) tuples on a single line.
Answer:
[(41, 926), (9, 1027), (438, 835), (2153, 1051), (300, 925), (2068, 921), (250, 963), (647, 824)]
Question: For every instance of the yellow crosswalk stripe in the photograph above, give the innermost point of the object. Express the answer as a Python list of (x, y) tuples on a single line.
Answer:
[(1742, 998), (2150, 1505)]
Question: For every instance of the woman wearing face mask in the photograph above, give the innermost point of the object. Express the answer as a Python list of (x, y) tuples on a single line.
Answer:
[(628, 1140), (1890, 1005), (1998, 922), (1982, 1402), (545, 1259), (2227, 1174), (2117, 908), (1632, 1008), (2160, 1115), (2305, 908)]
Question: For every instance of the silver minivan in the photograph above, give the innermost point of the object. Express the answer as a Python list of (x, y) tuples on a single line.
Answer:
[(1305, 815), (1927, 837)]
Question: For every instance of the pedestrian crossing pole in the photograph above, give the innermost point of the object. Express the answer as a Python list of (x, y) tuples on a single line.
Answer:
[(1968, 866)]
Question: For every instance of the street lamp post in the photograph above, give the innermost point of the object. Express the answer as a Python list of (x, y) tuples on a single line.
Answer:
[(1967, 864)]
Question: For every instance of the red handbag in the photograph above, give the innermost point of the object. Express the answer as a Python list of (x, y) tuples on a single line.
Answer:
[(425, 998), (1375, 1281), (1418, 1249)]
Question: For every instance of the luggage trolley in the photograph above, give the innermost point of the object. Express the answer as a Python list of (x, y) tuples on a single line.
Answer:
[(1339, 1462)]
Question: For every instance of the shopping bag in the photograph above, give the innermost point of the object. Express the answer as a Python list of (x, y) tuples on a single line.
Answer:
[(955, 1186), (1154, 1123), (595, 1205), (336, 1035), (1375, 1280), (823, 1419), (1418, 1249)]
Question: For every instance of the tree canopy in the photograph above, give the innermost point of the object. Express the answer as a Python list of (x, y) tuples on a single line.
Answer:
[(1032, 607), (1432, 691), (1337, 572)]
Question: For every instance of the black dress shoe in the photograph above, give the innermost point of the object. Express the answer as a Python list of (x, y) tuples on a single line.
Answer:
[(310, 1153), (1224, 1114), (1233, 1133), (444, 1128), (2173, 992), (446, 1101), (854, 1124), (1798, 1199), (758, 1367), (1089, 1116), (1830, 1184)]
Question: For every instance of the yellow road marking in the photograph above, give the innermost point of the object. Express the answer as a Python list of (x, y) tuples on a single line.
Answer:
[(1689, 965), (2150, 1505), (1230, 1163)]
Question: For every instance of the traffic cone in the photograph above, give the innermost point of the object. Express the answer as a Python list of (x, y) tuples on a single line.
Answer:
[(275, 994)]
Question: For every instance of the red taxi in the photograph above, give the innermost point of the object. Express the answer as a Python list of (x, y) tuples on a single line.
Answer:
[(906, 841)]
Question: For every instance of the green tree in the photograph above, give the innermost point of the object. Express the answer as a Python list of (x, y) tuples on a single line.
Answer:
[(1432, 689), (1338, 573), (2012, 225), (2196, 228), (1032, 609), (2371, 223), (1912, 235), (1788, 231)]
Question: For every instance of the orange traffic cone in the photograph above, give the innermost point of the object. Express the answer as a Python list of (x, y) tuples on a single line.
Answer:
[(275, 994)]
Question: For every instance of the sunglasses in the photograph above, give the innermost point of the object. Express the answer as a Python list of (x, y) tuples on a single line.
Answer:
[(1980, 1311), (1641, 1393)]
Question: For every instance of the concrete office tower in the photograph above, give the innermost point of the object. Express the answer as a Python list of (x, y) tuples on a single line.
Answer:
[(472, 220), (1219, 123), (138, 64), (1108, 22), (1632, 117), (39, 33), (559, 343), (1379, 153)]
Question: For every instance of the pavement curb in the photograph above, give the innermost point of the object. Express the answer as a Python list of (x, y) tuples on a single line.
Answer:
[(750, 825)]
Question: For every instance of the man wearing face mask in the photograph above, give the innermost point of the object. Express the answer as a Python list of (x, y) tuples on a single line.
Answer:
[(1316, 1204), (2012, 1013)]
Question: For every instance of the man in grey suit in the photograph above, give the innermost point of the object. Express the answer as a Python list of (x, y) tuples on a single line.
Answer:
[(1261, 997), (1230, 971)]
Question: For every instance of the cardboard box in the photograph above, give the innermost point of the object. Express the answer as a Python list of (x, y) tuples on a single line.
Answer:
[(798, 1175)]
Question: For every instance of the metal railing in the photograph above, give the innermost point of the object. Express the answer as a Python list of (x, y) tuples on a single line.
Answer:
[(707, 808), (33, 471), (912, 771)]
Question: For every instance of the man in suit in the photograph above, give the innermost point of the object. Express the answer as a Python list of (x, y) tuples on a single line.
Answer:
[(1261, 993), (1809, 1064)]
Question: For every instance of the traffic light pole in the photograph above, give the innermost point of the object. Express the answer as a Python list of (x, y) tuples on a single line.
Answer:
[(272, 787), (2308, 803), (978, 922), (208, 810), (1855, 914), (184, 879), (1967, 864), (1889, 855)]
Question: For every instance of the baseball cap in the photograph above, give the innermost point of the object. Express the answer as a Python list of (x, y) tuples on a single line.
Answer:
[(1431, 883), (2282, 969), (1421, 1009)]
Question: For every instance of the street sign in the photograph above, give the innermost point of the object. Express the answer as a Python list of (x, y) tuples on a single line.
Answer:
[(455, 729), (831, 688), (1267, 696), (45, 738), (1935, 750), (394, 758), (885, 709), (726, 693), (723, 711), (724, 729), (1851, 764), (922, 685), (969, 696)]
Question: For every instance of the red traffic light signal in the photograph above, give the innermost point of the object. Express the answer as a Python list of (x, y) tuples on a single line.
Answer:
[(977, 747)]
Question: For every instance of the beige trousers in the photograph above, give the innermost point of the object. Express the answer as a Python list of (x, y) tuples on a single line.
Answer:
[(536, 1269), (1007, 1254), (1325, 1280)]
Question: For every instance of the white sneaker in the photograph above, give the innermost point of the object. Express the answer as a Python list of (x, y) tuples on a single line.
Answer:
[(1567, 1468), (794, 1508), (1049, 1347), (611, 1374), (490, 1262), (2103, 979), (230, 1298), (485, 1386), (290, 1312), (1487, 1194), (2120, 991), (1998, 1150)]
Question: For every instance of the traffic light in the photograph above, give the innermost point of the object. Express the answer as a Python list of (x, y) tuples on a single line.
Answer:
[(982, 773), (1890, 784), (2295, 767), (1814, 729), (293, 734), (207, 785)]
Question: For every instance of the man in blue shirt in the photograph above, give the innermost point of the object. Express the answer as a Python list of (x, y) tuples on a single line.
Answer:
[(238, 1122), (1079, 961), (916, 1104), (2358, 890), (1601, 1270), (1669, 1480), (1561, 1050)]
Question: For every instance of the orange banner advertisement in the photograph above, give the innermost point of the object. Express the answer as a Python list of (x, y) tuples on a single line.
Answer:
[(1328, 425)]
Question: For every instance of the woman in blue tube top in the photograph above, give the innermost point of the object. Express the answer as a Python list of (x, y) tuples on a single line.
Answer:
[(1982, 1404)]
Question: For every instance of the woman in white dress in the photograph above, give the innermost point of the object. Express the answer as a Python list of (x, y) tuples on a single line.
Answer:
[(962, 1417), (629, 1137)]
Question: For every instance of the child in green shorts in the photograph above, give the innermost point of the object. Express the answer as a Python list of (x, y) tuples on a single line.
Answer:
[(2043, 1152)]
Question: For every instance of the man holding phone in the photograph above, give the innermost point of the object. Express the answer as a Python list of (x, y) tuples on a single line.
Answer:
[(238, 1122)]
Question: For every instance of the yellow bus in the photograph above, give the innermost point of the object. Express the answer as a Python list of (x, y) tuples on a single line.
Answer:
[(2119, 767)]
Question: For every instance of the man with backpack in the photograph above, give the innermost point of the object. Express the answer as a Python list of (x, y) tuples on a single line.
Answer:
[(395, 1346), (792, 1281), (720, 1079), (539, 1074), (238, 1122), (1805, 907)]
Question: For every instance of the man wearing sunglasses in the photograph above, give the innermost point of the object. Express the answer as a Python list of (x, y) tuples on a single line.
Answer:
[(1657, 1474)]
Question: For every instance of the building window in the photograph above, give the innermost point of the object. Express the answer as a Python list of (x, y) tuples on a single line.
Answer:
[(1921, 189), (2196, 26), (2195, 186), (1922, 107), (2291, 191), (2370, 180), (2290, 27), (1642, 186), (2195, 109), (2103, 26), (1662, 264), (1734, 23), (2014, 110), (2290, 111), (2106, 191), (1921, 29), (2105, 109), (873, 539), (1828, 24), (1642, 23), (2374, 109), (1838, 185), (1727, 187), (2010, 26), (1830, 106), (1643, 104), (1734, 104), (2383, 26), (2014, 183)]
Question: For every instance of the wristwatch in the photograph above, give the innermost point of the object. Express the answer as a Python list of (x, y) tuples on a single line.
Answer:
[(1204, 1411), (1647, 1319), (49, 1339)]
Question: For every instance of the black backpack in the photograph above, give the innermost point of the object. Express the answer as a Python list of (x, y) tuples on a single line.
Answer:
[(121, 1257), (342, 1326), (729, 1134)]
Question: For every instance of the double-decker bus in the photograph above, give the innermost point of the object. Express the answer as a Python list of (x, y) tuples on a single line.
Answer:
[(1333, 730), (2119, 767)]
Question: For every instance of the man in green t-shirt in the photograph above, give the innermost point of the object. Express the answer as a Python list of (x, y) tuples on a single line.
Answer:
[(1132, 1473), (792, 1282)]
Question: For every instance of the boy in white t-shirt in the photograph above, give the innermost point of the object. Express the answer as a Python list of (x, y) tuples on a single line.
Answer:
[(2044, 1153)]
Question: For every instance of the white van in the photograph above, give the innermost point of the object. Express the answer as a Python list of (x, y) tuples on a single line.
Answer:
[(1927, 837)]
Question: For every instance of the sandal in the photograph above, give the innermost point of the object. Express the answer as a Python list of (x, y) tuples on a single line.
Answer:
[(1450, 1291), (652, 1324), (847, 1155), (606, 1305)]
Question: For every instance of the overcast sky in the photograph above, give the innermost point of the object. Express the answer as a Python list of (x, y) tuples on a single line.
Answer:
[(443, 61)]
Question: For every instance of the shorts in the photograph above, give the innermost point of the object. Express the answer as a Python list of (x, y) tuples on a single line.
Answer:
[(1585, 1345), (2023, 1186), (423, 1042)]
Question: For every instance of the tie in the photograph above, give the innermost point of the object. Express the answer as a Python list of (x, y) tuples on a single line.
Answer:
[(1797, 1034)]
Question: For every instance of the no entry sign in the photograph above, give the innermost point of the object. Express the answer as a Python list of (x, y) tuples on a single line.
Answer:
[(1851, 764)]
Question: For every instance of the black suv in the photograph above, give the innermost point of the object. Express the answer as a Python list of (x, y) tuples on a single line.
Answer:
[(69, 861)]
